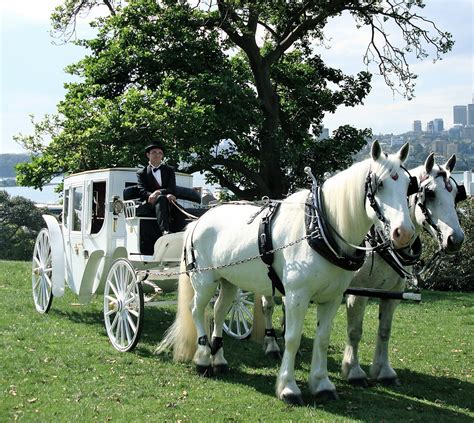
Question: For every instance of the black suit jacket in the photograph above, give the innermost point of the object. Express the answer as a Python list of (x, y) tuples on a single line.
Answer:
[(147, 183)]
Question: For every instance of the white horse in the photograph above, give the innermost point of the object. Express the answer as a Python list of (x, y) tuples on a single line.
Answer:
[(354, 200), (432, 209)]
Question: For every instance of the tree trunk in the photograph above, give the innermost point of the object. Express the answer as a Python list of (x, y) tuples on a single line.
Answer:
[(271, 137)]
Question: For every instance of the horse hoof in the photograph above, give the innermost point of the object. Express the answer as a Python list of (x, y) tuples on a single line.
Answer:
[(359, 382), (293, 399), (220, 369), (274, 355), (204, 371), (392, 381), (324, 396)]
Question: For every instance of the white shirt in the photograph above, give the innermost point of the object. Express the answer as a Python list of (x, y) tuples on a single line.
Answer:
[(157, 175)]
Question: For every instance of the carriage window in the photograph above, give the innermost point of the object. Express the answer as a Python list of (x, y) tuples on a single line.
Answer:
[(77, 196), (66, 208), (98, 206)]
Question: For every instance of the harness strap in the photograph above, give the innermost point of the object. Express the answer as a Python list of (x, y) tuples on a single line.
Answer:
[(397, 259), (192, 264), (265, 244), (320, 238)]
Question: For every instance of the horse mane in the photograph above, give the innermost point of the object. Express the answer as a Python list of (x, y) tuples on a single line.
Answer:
[(344, 197)]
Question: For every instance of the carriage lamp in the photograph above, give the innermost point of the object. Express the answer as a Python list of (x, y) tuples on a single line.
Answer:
[(117, 208), (117, 205)]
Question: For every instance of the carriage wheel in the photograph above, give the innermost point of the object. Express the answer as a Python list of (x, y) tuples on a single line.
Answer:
[(42, 271), (123, 306), (239, 320)]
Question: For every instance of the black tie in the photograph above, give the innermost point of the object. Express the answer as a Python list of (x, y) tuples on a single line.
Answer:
[(155, 169)]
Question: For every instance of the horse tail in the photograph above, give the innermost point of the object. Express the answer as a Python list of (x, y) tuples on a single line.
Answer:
[(181, 336)]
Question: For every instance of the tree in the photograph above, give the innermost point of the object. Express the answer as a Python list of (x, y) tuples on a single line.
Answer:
[(20, 223), (235, 87)]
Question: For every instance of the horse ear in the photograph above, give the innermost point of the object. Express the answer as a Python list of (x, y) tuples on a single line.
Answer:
[(429, 163), (376, 150), (451, 163), (403, 152)]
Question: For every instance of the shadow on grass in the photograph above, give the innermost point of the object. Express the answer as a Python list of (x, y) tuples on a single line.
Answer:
[(250, 367), (88, 317)]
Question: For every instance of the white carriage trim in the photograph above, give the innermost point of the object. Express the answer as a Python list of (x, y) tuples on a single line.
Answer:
[(57, 254)]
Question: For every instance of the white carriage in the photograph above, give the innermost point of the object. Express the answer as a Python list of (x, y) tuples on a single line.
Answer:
[(103, 244)]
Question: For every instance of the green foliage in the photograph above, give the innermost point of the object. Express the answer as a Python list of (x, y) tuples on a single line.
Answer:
[(61, 367), (241, 105), (456, 272), (20, 222)]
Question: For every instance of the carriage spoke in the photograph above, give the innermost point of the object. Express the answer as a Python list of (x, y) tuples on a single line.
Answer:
[(131, 299), (37, 261), (114, 323), (134, 312), (122, 331), (112, 285), (127, 327), (131, 323)]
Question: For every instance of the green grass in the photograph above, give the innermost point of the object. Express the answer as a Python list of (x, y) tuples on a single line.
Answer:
[(61, 367)]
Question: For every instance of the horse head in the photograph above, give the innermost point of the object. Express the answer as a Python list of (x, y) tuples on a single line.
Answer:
[(435, 203), (386, 189)]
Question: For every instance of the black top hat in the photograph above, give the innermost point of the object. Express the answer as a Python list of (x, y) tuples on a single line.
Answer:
[(155, 145)]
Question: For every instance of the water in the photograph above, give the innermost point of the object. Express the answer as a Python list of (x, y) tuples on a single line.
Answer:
[(44, 196)]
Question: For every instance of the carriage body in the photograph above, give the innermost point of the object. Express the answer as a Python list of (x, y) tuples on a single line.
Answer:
[(95, 230)]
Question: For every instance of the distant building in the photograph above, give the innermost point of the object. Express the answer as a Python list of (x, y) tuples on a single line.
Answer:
[(468, 132), (455, 132), (396, 141), (430, 127), (417, 126), (324, 134), (460, 115), (439, 146), (452, 148), (438, 125), (470, 114)]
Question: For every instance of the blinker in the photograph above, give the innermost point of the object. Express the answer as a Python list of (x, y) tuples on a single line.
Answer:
[(412, 186), (461, 194)]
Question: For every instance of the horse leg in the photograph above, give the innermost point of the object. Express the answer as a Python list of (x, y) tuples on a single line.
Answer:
[(221, 308), (204, 289), (350, 369), (381, 370), (319, 383), (286, 387), (270, 345)]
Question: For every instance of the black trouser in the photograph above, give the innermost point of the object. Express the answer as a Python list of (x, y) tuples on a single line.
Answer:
[(163, 213)]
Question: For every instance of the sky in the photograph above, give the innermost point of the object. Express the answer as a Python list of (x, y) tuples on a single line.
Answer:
[(32, 70)]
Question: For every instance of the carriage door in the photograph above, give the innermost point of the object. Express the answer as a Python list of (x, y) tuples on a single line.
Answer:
[(75, 237)]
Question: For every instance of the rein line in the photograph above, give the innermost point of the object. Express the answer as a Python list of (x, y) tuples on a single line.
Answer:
[(146, 273)]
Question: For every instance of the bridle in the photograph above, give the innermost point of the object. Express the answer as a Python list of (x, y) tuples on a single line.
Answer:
[(370, 193), (424, 193)]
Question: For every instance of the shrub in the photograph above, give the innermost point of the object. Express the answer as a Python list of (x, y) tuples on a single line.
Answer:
[(20, 222)]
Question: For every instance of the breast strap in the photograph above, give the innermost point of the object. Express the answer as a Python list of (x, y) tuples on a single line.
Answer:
[(265, 244), (320, 238)]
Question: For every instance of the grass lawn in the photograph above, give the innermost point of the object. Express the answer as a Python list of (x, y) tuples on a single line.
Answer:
[(61, 367)]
